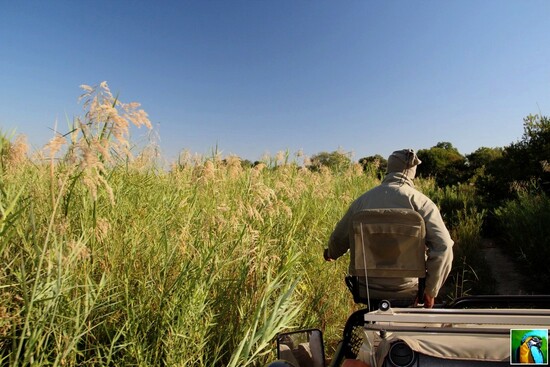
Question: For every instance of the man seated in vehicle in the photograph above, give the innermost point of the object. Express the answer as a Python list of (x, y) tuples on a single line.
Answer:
[(397, 191)]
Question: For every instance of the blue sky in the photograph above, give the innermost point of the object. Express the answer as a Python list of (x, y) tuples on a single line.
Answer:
[(257, 77)]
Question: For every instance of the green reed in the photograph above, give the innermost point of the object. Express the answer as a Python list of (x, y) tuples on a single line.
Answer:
[(108, 260)]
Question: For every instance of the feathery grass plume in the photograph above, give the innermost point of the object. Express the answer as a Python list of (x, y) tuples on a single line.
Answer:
[(150, 156), (234, 168), (50, 151), (356, 169), (108, 119), (18, 149), (208, 170), (98, 139), (281, 158), (54, 146), (257, 169), (187, 160)]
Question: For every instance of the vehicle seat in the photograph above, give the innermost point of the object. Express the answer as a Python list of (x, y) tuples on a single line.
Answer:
[(388, 246)]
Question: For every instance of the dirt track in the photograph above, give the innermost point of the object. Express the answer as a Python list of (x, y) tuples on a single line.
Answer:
[(508, 279)]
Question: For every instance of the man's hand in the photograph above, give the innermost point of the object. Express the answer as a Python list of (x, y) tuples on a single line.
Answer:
[(428, 301), (326, 256)]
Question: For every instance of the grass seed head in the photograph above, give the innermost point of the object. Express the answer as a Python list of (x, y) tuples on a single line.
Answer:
[(18, 151)]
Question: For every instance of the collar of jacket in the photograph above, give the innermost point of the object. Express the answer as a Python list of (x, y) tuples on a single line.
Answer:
[(397, 178)]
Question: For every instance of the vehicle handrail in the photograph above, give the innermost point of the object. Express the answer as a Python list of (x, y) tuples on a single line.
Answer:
[(501, 301)]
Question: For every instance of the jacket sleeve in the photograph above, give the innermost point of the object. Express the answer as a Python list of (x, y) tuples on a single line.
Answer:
[(440, 248), (339, 241)]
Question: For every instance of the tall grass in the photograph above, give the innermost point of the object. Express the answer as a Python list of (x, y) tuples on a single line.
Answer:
[(181, 270), (105, 261), (110, 260), (200, 265)]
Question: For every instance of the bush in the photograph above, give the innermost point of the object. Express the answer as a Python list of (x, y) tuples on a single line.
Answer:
[(460, 210), (523, 225)]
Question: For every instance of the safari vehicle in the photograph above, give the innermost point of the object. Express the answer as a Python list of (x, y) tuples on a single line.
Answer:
[(472, 331)]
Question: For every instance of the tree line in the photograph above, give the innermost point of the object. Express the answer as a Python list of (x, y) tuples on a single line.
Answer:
[(496, 172)]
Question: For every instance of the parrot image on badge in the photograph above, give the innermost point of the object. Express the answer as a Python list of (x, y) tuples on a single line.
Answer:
[(529, 350)]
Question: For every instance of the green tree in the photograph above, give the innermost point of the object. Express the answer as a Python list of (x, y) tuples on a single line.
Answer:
[(523, 164), (482, 157), (374, 163), (443, 162), (336, 160), (531, 156)]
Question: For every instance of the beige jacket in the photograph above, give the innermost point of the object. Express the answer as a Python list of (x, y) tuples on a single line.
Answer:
[(397, 191)]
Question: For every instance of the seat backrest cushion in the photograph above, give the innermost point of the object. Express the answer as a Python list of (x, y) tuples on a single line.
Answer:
[(388, 243)]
